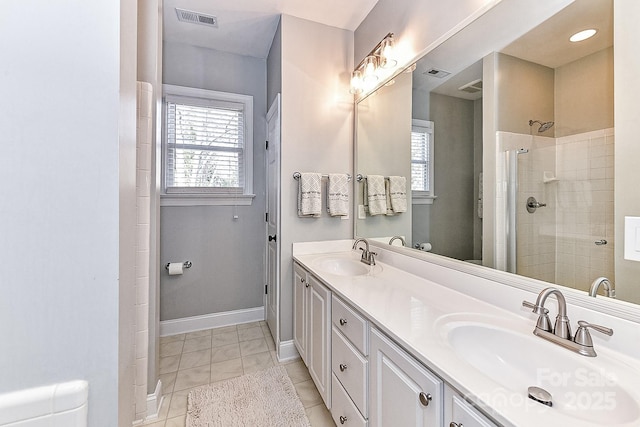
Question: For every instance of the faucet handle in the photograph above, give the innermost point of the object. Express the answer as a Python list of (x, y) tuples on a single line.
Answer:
[(544, 322), (535, 308), (583, 337), (372, 260)]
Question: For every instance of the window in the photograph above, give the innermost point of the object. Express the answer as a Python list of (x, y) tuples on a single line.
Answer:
[(207, 147), (422, 162)]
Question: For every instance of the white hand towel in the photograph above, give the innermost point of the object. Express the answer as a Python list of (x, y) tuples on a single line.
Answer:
[(338, 194), (309, 195), (398, 193), (376, 195), (387, 192)]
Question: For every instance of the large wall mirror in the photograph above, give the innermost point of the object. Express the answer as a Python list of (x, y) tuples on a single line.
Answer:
[(507, 142)]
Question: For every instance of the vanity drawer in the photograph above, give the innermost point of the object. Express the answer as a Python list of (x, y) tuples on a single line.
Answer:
[(350, 323), (343, 411), (350, 368)]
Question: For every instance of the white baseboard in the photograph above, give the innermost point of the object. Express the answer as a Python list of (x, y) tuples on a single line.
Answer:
[(287, 351), (208, 321), (154, 403)]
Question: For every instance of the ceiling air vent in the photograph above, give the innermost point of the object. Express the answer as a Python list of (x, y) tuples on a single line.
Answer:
[(472, 87), (436, 73), (196, 18)]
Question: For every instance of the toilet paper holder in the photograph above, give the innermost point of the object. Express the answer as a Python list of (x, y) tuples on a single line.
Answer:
[(186, 264)]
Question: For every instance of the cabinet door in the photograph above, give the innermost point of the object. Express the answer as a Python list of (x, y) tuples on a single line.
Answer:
[(319, 337), (300, 291), (460, 413), (402, 392)]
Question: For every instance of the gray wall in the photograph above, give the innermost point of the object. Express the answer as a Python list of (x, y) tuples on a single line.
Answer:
[(60, 213), (317, 134), (627, 149), (525, 92), (274, 67), (477, 169), (452, 213), (227, 254), (584, 94), (384, 148)]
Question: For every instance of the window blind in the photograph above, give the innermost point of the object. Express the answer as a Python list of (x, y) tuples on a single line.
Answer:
[(420, 161), (205, 146)]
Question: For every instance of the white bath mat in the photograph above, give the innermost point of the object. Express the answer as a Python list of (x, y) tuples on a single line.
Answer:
[(262, 399)]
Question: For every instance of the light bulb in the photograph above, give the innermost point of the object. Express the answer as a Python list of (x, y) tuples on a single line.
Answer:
[(356, 82), (370, 67), (387, 52)]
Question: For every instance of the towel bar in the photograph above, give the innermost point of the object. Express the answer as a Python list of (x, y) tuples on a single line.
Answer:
[(297, 175)]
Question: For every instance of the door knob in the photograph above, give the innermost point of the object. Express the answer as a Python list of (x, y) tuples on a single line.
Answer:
[(272, 238)]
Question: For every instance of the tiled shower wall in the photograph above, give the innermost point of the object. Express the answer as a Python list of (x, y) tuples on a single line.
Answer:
[(573, 175), (536, 248), (585, 208), (143, 206)]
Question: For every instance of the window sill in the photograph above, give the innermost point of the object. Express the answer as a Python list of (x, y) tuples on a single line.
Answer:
[(206, 200), (420, 199)]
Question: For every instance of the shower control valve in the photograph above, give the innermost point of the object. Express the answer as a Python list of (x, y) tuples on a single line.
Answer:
[(533, 204)]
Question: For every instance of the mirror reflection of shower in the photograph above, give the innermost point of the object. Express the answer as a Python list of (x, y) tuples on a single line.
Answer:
[(544, 126)]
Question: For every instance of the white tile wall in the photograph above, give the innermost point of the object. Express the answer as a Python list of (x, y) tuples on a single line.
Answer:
[(556, 243), (143, 192), (585, 208)]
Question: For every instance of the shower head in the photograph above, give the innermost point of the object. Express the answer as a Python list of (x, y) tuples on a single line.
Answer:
[(543, 126)]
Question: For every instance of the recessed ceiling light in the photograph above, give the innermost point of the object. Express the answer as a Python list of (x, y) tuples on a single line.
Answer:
[(582, 35)]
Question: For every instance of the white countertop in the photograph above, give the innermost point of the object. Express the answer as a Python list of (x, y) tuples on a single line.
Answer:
[(415, 312)]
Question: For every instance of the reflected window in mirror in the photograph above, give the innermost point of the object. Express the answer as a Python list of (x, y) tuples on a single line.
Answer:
[(422, 161)]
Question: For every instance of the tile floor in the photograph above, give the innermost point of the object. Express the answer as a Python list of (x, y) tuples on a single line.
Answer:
[(195, 359)]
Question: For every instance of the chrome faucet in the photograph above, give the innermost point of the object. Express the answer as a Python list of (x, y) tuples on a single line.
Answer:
[(609, 289), (562, 328), (367, 256), (394, 238), (561, 333)]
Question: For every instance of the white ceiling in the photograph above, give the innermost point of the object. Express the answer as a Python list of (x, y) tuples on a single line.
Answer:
[(546, 44), (247, 27)]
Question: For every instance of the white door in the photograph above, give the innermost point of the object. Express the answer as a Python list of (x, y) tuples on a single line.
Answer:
[(273, 219)]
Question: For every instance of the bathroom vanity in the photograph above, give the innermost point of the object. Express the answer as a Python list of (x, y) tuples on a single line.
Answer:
[(406, 342)]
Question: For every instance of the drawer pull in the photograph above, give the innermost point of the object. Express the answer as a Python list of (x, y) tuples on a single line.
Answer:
[(343, 322), (343, 419), (452, 424), (425, 398), (343, 367)]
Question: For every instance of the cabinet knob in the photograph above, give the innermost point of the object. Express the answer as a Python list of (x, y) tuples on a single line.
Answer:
[(452, 424), (302, 280), (343, 367), (425, 398), (343, 322), (306, 284), (343, 419)]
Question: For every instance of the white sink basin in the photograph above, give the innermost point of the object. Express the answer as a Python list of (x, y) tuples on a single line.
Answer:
[(596, 390), (345, 265)]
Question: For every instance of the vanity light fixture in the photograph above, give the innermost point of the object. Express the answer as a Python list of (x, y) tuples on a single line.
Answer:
[(367, 73), (583, 35), (370, 69)]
